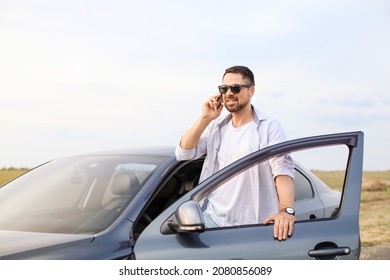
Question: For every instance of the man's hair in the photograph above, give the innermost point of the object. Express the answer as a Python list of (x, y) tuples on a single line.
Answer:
[(243, 70)]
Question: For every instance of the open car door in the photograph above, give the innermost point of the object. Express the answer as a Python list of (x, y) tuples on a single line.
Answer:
[(179, 233)]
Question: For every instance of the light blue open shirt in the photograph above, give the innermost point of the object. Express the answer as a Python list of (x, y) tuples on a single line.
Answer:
[(270, 132)]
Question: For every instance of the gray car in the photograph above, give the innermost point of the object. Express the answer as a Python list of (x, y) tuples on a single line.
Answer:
[(144, 204)]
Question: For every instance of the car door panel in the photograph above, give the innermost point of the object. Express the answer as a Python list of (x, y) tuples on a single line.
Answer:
[(315, 206), (254, 242), (332, 238)]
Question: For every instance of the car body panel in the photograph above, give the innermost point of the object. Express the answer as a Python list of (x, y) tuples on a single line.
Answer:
[(114, 243), (14, 242)]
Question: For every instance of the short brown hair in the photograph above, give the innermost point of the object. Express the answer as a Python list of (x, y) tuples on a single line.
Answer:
[(244, 71)]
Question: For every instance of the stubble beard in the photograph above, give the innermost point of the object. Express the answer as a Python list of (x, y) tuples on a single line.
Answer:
[(237, 107)]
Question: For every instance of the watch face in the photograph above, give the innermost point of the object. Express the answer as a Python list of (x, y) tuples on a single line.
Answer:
[(290, 210)]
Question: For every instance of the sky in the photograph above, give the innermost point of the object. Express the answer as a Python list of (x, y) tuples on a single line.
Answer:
[(90, 75)]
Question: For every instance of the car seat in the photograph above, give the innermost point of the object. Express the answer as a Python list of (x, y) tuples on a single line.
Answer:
[(125, 185)]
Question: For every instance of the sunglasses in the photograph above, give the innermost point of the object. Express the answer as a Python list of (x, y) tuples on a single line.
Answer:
[(236, 88)]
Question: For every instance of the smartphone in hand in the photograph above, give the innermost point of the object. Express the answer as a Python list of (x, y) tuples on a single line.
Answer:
[(215, 105)]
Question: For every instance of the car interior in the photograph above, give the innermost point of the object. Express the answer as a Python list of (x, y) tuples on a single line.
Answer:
[(182, 180)]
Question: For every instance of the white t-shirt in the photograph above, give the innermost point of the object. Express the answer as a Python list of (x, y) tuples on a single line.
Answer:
[(235, 203)]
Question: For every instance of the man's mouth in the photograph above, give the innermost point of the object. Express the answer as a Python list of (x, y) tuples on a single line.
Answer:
[(230, 100)]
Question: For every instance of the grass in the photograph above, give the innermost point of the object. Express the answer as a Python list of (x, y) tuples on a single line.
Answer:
[(7, 174), (374, 206)]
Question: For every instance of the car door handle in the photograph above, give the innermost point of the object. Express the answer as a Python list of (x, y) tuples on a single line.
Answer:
[(329, 252)]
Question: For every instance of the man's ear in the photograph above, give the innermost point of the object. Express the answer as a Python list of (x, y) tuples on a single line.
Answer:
[(251, 91)]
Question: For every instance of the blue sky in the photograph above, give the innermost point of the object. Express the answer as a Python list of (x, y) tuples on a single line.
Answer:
[(80, 76)]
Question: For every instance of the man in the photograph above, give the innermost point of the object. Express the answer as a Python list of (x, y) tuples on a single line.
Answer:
[(264, 193)]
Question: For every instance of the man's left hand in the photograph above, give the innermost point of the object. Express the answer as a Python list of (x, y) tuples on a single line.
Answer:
[(283, 225)]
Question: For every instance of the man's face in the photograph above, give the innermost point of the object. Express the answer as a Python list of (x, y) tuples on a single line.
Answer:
[(236, 102)]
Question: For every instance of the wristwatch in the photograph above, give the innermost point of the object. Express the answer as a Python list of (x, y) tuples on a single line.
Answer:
[(288, 210)]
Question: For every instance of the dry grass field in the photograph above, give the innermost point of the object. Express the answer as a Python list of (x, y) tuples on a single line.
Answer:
[(7, 174), (374, 209), (374, 206)]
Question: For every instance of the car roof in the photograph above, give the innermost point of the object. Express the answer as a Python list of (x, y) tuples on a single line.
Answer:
[(141, 150)]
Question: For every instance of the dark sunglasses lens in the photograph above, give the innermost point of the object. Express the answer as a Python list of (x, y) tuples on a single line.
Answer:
[(223, 89), (235, 88)]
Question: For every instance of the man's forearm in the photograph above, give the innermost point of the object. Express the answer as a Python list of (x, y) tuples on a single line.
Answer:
[(286, 191), (191, 138)]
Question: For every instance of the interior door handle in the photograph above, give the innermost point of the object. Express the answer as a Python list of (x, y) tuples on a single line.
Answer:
[(329, 252)]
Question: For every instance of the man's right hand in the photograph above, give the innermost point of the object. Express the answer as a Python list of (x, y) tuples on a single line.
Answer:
[(191, 137), (212, 107)]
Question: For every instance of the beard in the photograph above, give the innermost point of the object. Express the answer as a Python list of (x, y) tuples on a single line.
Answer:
[(237, 106)]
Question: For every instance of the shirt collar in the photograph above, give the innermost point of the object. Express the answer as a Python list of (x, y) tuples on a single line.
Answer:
[(258, 116)]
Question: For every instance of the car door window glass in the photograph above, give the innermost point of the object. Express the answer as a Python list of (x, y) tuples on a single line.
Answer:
[(319, 177)]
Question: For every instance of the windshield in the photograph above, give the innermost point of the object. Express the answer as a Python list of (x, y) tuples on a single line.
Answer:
[(74, 195)]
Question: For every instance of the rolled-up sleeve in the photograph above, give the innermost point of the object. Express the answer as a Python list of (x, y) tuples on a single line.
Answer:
[(282, 164), (184, 154), (196, 152)]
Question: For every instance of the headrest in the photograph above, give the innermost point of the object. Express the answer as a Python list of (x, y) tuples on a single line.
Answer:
[(125, 183)]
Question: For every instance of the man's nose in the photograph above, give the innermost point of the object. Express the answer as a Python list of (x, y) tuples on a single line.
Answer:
[(229, 92)]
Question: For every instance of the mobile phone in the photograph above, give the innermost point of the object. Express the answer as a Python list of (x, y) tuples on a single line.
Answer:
[(215, 106)]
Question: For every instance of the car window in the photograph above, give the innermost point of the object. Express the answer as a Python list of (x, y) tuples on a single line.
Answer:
[(136, 173), (317, 193), (303, 186), (74, 195)]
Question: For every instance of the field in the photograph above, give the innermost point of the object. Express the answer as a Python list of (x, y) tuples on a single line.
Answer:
[(7, 174), (374, 207), (374, 204)]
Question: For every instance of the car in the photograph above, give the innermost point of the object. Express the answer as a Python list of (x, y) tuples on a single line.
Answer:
[(142, 203)]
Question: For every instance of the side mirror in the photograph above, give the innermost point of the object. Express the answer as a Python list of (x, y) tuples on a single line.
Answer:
[(188, 217)]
